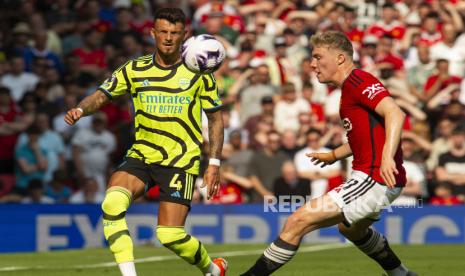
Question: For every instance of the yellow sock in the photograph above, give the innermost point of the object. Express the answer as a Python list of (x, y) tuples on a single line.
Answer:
[(114, 206), (185, 246)]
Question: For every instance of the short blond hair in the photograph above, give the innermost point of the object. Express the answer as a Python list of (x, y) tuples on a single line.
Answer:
[(333, 40)]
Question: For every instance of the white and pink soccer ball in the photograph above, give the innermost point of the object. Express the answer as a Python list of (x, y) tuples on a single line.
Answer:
[(203, 54)]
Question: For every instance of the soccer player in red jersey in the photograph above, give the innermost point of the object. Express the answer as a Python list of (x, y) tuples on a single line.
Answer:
[(373, 123)]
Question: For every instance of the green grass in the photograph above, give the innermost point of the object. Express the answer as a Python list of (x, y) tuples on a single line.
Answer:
[(424, 259)]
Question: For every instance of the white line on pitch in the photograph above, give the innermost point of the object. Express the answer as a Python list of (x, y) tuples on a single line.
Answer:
[(313, 248)]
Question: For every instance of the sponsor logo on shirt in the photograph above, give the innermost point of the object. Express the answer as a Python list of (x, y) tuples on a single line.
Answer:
[(347, 124), (373, 90)]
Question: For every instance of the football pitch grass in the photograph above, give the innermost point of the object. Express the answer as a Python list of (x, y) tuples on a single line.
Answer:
[(321, 260)]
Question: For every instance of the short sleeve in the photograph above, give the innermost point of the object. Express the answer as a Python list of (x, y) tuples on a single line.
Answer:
[(209, 97), (118, 84), (371, 92)]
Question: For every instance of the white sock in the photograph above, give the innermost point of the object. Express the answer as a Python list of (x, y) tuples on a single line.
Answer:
[(213, 270), (127, 269), (401, 270)]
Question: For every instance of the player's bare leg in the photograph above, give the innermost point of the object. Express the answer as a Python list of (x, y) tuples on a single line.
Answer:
[(375, 245), (123, 188), (171, 233), (319, 212)]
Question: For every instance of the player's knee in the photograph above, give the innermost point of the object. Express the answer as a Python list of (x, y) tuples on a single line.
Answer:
[(297, 223), (343, 229), (351, 233), (168, 235), (115, 203)]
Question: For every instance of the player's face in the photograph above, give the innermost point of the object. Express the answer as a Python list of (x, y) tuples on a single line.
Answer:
[(324, 64), (168, 37)]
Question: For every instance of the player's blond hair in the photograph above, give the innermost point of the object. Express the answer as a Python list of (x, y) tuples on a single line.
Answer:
[(333, 40)]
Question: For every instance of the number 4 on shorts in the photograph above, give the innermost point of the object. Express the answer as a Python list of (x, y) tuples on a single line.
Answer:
[(175, 183)]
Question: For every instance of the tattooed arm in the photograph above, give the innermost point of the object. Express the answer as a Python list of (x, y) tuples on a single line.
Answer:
[(211, 177), (215, 133), (89, 105)]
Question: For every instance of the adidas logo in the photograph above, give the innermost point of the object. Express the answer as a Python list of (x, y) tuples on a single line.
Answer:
[(176, 194), (146, 83)]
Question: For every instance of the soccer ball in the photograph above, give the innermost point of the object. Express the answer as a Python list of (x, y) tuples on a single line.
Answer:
[(203, 54)]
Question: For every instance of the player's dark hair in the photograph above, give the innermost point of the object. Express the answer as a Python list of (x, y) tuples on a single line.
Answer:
[(172, 15), (333, 40)]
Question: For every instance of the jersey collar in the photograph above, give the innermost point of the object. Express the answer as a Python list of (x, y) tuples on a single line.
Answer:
[(171, 67)]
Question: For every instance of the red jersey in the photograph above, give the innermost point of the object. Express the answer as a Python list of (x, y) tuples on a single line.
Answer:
[(361, 92)]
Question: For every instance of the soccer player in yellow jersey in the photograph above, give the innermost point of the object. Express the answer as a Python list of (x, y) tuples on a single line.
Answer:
[(168, 99)]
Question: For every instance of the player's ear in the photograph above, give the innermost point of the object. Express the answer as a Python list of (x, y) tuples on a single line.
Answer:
[(341, 58)]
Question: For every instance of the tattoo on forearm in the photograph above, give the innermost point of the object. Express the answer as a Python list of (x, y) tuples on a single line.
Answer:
[(215, 133), (93, 102)]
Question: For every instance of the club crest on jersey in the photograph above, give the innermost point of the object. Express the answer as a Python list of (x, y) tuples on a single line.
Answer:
[(347, 124), (109, 81), (373, 90), (184, 83)]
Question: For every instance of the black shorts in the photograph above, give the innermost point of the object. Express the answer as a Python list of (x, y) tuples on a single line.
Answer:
[(176, 185)]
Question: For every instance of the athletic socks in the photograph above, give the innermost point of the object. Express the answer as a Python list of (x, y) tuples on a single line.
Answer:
[(114, 206), (276, 255), (377, 247), (185, 246), (127, 269)]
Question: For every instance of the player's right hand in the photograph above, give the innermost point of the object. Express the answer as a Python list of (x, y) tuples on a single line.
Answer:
[(322, 158), (72, 116)]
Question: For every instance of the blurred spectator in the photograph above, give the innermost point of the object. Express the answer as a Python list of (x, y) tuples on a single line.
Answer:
[(440, 80), (215, 25), (20, 39), (92, 58), (316, 109), (88, 194), (18, 81), (49, 140), (281, 68), (444, 196), (57, 189), (141, 20), (265, 167), (61, 17), (388, 62), (430, 33), (322, 179), (66, 131), (451, 166), (252, 94), (295, 51), (441, 143), (114, 37), (11, 124), (31, 161), (40, 50), (91, 12), (266, 115), (238, 156), (36, 193), (451, 49), (388, 25), (290, 184), (91, 150), (289, 143), (231, 187), (419, 74), (288, 108), (53, 41), (415, 186)]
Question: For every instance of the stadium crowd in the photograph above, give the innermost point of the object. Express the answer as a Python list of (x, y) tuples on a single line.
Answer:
[(53, 53)]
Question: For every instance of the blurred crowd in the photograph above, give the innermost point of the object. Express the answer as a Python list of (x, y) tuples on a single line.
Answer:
[(54, 53)]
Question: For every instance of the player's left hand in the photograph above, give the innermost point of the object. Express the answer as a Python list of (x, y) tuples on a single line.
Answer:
[(387, 171), (211, 179)]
